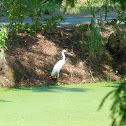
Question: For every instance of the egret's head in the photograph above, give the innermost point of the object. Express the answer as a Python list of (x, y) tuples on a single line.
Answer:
[(64, 51)]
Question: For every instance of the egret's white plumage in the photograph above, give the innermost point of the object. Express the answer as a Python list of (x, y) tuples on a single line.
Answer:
[(58, 66)]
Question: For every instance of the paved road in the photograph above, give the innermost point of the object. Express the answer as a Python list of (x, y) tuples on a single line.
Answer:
[(70, 20)]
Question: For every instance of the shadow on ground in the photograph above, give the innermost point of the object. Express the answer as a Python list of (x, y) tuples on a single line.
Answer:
[(2, 101), (54, 89)]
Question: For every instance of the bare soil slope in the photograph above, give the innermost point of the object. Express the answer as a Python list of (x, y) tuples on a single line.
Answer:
[(31, 60)]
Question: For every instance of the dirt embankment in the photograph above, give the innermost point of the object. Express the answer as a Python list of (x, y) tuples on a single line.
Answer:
[(31, 60)]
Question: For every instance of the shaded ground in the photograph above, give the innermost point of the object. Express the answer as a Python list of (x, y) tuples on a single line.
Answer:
[(31, 59)]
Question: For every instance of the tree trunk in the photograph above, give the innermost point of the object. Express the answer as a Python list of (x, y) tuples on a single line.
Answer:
[(3, 63)]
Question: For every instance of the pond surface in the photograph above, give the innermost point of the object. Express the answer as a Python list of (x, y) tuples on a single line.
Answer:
[(69, 105)]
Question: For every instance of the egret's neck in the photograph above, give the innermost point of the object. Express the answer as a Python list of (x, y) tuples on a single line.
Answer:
[(63, 56)]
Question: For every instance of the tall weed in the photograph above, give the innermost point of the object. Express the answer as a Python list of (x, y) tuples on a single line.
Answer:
[(95, 41)]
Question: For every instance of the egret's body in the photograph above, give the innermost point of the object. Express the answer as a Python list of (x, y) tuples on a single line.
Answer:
[(58, 66)]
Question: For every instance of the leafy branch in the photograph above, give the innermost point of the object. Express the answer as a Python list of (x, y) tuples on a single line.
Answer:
[(3, 36), (118, 108)]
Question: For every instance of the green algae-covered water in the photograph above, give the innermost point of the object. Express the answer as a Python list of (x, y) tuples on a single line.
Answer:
[(69, 105)]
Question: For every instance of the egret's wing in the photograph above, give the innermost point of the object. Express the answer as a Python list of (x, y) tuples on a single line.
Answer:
[(57, 67)]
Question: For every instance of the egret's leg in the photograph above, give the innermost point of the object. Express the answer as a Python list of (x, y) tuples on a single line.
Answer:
[(58, 77)]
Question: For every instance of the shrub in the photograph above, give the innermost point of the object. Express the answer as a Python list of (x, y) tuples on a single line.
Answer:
[(20, 9), (3, 36), (95, 42)]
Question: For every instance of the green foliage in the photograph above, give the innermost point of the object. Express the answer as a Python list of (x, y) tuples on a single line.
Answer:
[(122, 3), (20, 9), (51, 8), (31, 29), (17, 13), (82, 28), (119, 44), (118, 108), (3, 10), (52, 23), (91, 41), (96, 6), (48, 8), (94, 43), (71, 2), (90, 4), (3, 36), (121, 13)]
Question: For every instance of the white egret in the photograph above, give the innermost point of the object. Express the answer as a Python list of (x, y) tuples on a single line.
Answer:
[(58, 66)]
